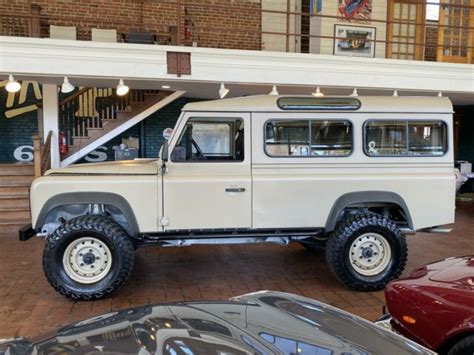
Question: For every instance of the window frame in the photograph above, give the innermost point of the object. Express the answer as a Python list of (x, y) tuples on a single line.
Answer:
[(407, 130), (320, 107), (309, 120), (209, 119)]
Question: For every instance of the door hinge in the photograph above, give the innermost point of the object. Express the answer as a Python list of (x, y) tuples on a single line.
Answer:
[(164, 221)]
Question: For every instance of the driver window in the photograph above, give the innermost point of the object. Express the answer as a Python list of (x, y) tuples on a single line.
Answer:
[(211, 139)]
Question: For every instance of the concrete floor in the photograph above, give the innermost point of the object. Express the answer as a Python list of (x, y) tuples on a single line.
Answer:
[(29, 306)]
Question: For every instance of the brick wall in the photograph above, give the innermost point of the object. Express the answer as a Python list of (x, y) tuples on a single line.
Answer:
[(212, 23)]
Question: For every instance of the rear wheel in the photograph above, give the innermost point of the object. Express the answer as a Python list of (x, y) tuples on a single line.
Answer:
[(88, 257), (366, 251)]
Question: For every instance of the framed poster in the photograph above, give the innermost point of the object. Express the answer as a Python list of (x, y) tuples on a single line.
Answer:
[(354, 41), (358, 10)]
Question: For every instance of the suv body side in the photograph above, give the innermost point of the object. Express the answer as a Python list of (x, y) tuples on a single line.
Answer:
[(275, 192)]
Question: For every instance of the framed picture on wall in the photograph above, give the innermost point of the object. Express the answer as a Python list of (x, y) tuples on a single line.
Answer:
[(354, 41)]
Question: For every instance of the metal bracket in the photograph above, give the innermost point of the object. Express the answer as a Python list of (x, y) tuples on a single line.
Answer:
[(164, 221)]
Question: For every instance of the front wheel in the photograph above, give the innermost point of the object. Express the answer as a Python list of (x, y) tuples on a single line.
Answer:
[(88, 257), (366, 251)]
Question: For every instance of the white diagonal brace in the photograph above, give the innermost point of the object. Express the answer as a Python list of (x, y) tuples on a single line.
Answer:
[(122, 128)]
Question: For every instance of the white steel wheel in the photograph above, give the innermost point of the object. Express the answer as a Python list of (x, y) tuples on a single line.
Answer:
[(370, 254), (87, 260)]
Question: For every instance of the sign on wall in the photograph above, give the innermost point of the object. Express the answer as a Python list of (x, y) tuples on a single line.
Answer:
[(357, 10), (354, 41), (17, 104)]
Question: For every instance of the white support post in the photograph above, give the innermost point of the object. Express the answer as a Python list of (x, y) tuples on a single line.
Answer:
[(51, 120)]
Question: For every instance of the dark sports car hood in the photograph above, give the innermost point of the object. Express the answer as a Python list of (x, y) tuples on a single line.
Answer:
[(257, 323)]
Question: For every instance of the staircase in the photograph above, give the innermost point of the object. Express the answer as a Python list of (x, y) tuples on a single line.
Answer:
[(15, 180), (93, 116)]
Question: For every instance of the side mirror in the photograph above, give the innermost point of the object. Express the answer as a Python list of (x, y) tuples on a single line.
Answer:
[(164, 152)]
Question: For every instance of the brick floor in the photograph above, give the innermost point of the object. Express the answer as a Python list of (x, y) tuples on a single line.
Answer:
[(29, 306)]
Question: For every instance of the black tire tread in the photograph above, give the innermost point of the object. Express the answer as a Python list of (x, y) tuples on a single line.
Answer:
[(97, 223), (338, 239), (463, 347)]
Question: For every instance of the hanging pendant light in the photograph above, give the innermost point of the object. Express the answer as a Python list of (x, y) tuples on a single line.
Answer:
[(122, 89), (274, 91), (12, 85), (66, 86), (318, 92), (223, 91), (354, 93)]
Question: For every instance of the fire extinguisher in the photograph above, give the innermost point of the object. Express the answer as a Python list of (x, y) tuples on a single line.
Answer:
[(63, 147)]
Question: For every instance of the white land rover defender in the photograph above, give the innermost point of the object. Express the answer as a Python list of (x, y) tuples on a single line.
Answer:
[(352, 175)]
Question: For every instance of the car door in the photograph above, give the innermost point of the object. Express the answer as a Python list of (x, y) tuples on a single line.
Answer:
[(208, 184)]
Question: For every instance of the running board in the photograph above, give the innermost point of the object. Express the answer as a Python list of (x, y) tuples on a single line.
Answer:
[(407, 231)]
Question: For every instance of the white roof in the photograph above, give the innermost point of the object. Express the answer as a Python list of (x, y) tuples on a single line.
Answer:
[(268, 103)]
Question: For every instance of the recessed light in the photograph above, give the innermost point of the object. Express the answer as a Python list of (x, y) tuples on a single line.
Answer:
[(165, 87)]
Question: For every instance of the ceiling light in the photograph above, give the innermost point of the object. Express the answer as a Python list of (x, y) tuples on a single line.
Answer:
[(395, 93), (274, 91), (122, 89), (223, 91), (165, 86), (354, 93), (317, 93), (12, 85), (440, 94), (66, 86)]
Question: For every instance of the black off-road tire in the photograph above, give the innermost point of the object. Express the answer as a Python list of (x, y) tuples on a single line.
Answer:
[(463, 347), (99, 227), (340, 242)]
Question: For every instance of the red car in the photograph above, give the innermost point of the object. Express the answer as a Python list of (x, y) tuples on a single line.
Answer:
[(434, 306)]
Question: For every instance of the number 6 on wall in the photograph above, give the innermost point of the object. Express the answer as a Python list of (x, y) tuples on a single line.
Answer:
[(23, 153)]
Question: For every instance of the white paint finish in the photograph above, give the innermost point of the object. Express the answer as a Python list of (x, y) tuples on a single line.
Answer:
[(120, 129), (144, 66), (140, 191), (51, 121), (279, 192), (358, 156), (368, 104), (289, 192), (202, 184), (307, 194)]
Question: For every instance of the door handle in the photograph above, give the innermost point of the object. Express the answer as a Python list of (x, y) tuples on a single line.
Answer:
[(235, 189)]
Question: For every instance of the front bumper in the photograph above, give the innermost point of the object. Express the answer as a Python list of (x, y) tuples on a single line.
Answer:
[(26, 233)]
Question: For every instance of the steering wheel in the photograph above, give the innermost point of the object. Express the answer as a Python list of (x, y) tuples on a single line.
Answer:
[(198, 149)]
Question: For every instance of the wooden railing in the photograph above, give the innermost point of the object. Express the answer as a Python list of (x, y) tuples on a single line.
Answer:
[(186, 23), (42, 154), (87, 109)]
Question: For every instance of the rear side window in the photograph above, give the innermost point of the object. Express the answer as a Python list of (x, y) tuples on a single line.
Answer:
[(308, 138), (405, 138)]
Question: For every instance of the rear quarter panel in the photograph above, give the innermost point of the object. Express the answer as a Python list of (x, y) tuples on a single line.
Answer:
[(300, 192)]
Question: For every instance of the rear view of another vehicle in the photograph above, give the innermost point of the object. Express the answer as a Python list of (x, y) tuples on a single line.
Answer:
[(435, 306)]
